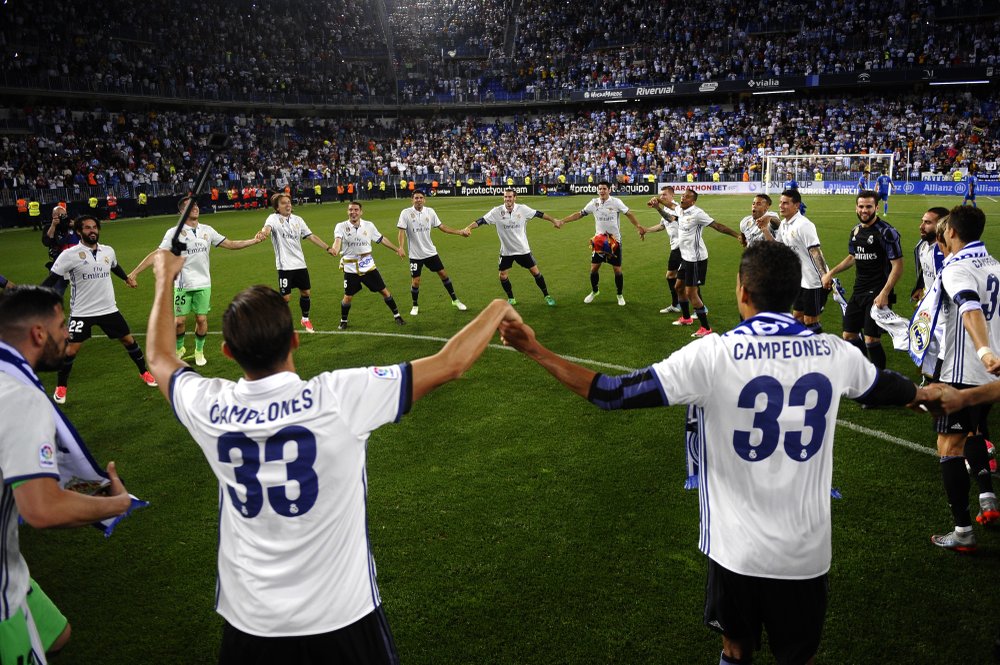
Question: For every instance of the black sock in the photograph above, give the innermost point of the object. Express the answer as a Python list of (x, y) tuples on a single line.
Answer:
[(390, 302), (686, 309), (448, 287), (540, 281), (956, 488), (305, 304), (876, 353), (345, 310), (505, 283), (595, 279), (673, 292), (619, 282), (414, 294), (859, 344), (135, 353), (63, 375), (702, 314), (979, 462)]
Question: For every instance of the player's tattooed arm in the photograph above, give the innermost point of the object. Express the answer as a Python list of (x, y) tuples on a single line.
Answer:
[(816, 254)]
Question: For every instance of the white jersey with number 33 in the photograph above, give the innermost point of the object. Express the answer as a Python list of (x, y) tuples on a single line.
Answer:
[(768, 393), (290, 457)]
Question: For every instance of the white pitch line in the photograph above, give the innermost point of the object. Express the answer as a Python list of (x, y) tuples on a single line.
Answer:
[(861, 429), (990, 198)]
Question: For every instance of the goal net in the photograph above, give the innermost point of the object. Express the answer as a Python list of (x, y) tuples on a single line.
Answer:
[(806, 169)]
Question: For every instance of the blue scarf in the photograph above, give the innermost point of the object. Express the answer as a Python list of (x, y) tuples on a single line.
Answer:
[(78, 471)]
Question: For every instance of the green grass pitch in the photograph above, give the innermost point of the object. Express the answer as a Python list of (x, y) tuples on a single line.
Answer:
[(511, 521)]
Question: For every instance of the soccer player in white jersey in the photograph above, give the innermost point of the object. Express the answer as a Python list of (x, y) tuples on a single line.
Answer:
[(767, 395), (927, 255), (88, 267), (354, 237), (799, 233), (193, 290), (415, 225), (287, 231), (760, 216), (511, 221), (971, 331), (297, 579), (694, 258), (33, 337), (607, 211), (670, 211)]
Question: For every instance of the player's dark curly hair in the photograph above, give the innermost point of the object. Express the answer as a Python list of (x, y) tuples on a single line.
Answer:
[(257, 328), (21, 306), (771, 273)]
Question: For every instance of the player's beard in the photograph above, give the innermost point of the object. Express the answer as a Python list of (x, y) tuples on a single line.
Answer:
[(930, 238), (91, 239), (867, 221), (52, 355)]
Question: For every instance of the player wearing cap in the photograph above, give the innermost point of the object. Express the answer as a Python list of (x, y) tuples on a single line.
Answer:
[(88, 267), (607, 211), (415, 225), (767, 395), (193, 290), (511, 221), (297, 580), (287, 231), (354, 237)]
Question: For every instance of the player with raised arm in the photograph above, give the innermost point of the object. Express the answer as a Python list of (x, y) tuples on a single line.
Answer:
[(875, 251), (691, 222), (287, 231), (353, 238), (193, 290), (33, 338), (607, 211), (669, 210), (884, 187), (966, 308), (296, 576), (799, 233), (88, 267), (415, 225), (767, 395), (511, 221)]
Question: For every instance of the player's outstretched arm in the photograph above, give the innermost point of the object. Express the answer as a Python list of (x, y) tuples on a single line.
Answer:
[(45, 505), (241, 244), (462, 350), (145, 263), (385, 242), (161, 355), (828, 276), (520, 336), (465, 233), (314, 239)]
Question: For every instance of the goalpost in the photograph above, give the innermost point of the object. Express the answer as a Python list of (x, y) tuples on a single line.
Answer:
[(779, 169)]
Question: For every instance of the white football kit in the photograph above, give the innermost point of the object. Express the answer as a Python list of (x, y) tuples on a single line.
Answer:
[(511, 227), (89, 274), (607, 215), (198, 240), (287, 234), (670, 225), (799, 234), (970, 280), (418, 226), (768, 393), (290, 457), (690, 225), (356, 245), (750, 230), (27, 451)]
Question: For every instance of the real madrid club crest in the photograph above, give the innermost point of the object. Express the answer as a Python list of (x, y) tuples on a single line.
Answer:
[(920, 333), (107, 260)]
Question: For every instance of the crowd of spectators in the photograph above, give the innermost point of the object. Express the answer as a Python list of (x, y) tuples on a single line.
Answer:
[(60, 149), (378, 51)]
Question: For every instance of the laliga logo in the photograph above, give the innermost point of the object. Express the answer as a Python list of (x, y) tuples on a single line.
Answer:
[(708, 87), (920, 333)]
